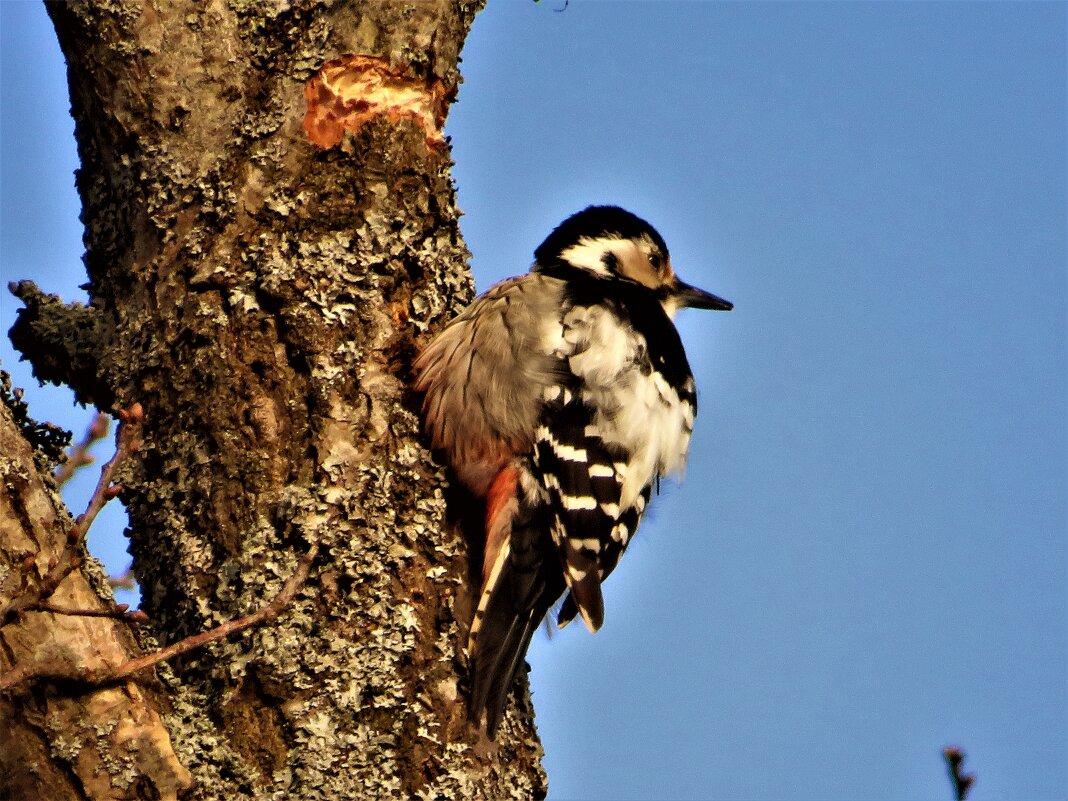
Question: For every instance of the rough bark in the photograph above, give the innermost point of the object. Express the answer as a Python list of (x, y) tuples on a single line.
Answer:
[(54, 739), (262, 299)]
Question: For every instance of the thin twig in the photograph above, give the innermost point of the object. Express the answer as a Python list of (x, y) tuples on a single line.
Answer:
[(29, 672), (127, 440), (962, 782), (79, 454), (118, 612), (123, 581)]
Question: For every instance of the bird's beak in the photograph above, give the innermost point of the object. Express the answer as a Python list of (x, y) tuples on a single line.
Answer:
[(691, 297)]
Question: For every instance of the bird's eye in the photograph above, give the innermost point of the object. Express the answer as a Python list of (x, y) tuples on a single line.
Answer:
[(655, 260)]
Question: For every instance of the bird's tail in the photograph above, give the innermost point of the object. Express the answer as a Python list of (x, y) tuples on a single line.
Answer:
[(520, 583)]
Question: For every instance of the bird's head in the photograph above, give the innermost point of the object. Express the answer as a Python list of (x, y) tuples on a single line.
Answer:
[(616, 245)]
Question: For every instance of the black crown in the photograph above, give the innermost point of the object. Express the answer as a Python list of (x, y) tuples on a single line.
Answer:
[(595, 222)]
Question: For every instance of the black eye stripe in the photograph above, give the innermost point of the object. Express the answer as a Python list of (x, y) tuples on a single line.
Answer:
[(611, 262)]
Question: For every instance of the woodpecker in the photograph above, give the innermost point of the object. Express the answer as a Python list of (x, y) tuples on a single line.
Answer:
[(560, 398)]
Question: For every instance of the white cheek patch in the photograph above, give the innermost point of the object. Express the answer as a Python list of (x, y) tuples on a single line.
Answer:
[(589, 253)]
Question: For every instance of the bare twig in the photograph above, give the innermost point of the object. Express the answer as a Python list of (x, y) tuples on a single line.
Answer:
[(119, 612), (30, 596), (30, 672), (962, 782), (124, 581), (79, 454)]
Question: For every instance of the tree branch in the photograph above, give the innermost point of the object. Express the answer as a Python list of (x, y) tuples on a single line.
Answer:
[(107, 732), (118, 612), (79, 454), (962, 782), (96, 678), (30, 596), (62, 342)]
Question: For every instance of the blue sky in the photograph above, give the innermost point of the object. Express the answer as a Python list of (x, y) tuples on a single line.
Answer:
[(867, 558)]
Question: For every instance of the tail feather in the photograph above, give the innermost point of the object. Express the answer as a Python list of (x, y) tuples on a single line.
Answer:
[(568, 610), (495, 662), (522, 582)]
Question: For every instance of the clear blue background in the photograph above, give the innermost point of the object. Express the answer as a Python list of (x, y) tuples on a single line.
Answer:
[(867, 558)]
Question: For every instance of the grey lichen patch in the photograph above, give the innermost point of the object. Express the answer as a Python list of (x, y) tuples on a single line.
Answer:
[(284, 203), (360, 667), (205, 751), (62, 342), (262, 120), (63, 746), (122, 767), (49, 441), (98, 578)]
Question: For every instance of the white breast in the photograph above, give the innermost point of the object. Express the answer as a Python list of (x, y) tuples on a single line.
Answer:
[(636, 408)]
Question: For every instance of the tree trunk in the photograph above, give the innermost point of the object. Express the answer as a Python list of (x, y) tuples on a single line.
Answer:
[(262, 297)]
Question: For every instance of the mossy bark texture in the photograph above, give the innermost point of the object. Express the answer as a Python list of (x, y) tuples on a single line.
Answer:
[(263, 298)]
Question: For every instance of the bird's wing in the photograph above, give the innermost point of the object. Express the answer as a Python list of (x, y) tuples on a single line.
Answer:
[(484, 376), (582, 478)]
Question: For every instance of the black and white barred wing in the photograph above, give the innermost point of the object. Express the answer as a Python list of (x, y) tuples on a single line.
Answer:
[(583, 478), (611, 551)]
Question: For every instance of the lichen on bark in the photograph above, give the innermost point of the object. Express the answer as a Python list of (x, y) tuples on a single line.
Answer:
[(55, 740), (263, 298)]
